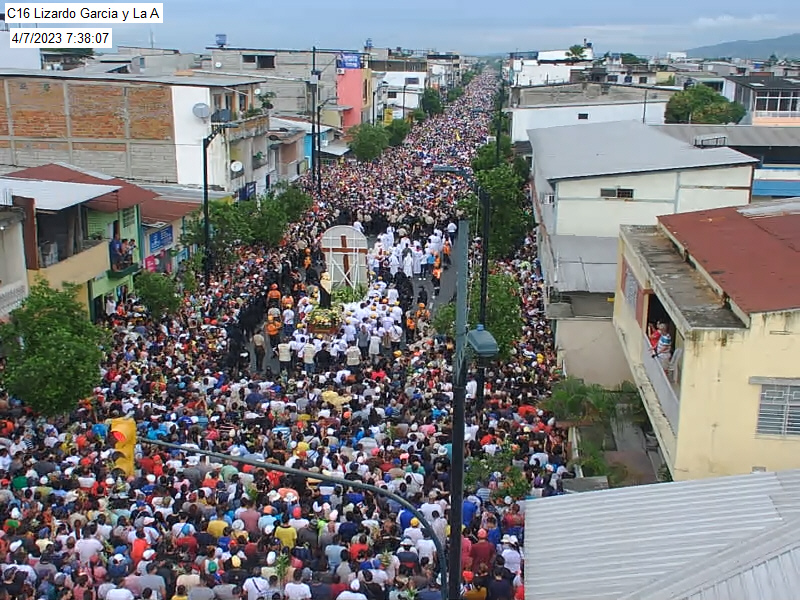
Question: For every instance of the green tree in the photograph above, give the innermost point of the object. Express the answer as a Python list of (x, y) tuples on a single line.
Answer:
[(231, 226), (486, 156), (576, 52), (53, 351), (521, 168), (368, 141), (294, 201), (509, 221), (418, 115), (454, 94), (158, 292), (503, 317), (431, 102), (701, 104), (631, 59), (398, 130), (670, 81), (467, 77), (268, 221), (513, 482)]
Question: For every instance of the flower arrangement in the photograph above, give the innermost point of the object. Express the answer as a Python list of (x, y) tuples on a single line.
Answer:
[(322, 319)]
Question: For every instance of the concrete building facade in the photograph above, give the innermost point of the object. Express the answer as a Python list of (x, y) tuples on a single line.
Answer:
[(720, 384)]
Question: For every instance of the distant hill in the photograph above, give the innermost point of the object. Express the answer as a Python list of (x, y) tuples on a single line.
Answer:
[(787, 46)]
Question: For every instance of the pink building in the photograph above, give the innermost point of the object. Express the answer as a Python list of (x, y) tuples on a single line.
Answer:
[(353, 91)]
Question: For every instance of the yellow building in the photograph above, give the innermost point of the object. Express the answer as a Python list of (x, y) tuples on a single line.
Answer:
[(721, 382)]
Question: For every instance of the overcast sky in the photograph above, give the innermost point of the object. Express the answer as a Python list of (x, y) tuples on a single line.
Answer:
[(468, 26)]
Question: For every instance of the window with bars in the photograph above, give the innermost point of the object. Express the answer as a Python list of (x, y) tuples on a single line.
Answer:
[(128, 217), (631, 288), (779, 410)]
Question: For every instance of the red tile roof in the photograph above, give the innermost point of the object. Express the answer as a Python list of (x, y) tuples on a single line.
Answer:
[(166, 211), (127, 196), (751, 252)]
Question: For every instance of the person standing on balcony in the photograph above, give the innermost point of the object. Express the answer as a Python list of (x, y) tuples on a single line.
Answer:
[(664, 346)]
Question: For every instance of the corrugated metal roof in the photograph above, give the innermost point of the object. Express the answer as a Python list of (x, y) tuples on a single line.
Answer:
[(764, 567), (778, 188), (617, 542), (617, 147), (585, 263), (127, 195), (54, 195), (754, 256), (766, 82), (738, 135)]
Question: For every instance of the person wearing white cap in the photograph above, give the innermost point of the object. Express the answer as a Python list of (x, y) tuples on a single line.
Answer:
[(354, 593)]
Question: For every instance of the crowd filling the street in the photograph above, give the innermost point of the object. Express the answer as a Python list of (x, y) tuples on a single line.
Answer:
[(245, 370)]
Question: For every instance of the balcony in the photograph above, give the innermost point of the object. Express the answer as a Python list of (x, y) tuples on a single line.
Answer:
[(86, 264), (665, 390), (11, 296), (122, 266)]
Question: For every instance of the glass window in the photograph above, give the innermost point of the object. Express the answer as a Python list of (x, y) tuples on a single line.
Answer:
[(772, 104), (625, 193), (761, 104)]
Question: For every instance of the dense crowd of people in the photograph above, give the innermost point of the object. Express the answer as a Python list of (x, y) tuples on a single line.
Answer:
[(241, 371)]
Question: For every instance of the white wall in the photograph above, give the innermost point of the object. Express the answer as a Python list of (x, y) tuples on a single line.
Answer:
[(524, 119), (17, 58), (189, 134), (536, 74), (581, 211), (13, 272), (701, 189)]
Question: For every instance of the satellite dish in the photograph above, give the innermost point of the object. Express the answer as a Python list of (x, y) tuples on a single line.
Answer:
[(237, 166), (201, 110), (258, 91), (218, 64)]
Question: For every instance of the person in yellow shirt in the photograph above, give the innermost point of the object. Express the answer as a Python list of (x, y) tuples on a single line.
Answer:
[(287, 535), (217, 525)]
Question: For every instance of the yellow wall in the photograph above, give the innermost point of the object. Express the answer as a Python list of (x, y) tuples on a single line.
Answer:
[(80, 269), (718, 403)]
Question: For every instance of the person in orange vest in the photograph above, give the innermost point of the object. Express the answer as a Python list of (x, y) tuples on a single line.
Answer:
[(411, 327), (436, 280), (273, 296), (273, 328), (446, 251)]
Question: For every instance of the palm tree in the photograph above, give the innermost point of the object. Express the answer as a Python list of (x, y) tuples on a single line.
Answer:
[(576, 53)]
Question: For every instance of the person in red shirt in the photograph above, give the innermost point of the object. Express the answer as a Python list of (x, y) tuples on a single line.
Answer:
[(483, 551), (139, 546)]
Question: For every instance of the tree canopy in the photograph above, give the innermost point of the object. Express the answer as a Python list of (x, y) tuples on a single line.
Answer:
[(509, 221), (262, 221), (486, 156), (576, 52), (398, 129), (631, 59), (53, 351), (158, 292), (368, 141), (431, 102), (503, 316), (701, 104)]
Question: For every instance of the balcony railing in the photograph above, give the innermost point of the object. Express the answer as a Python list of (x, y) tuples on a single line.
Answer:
[(670, 403), (777, 114), (11, 296)]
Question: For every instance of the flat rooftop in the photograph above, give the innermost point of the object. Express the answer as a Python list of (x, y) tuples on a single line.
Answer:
[(696, 300), (199, 80)]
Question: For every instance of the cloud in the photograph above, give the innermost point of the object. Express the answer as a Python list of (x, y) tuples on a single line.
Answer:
[(730, 21)]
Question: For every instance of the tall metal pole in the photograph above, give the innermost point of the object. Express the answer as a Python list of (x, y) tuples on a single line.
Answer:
[(644, 109), (319, 151), (459, 415), (499, 127), (426, 527), (206, 214), (314, 82)]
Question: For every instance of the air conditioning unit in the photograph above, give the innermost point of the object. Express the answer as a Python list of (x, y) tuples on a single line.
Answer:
[(340, 71)]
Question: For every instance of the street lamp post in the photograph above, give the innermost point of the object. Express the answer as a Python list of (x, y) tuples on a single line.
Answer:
[(216, 129), (483, 344)]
